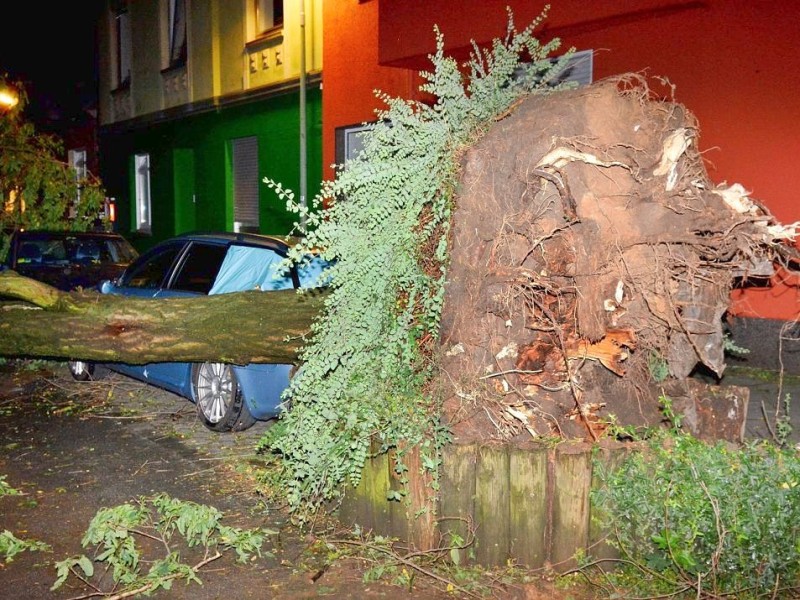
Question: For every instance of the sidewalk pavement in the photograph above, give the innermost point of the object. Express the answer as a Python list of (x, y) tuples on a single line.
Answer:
[(771, 398)]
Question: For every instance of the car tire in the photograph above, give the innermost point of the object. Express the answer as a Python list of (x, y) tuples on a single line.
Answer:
[(219, 400), (82, 370)]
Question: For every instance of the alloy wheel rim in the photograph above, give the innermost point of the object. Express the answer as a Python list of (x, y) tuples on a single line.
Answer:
[(79, 367), (214, 390)]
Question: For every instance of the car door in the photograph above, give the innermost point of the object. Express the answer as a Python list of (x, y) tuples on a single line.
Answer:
[(150, 273), (146, 278)]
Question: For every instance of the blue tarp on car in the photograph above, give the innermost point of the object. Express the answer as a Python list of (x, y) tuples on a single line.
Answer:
[(249, 268)]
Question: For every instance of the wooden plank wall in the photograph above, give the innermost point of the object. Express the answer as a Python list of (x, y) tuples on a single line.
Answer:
[(525, 502)]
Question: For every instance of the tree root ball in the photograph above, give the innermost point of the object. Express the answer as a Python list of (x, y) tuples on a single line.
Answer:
[(592, 263)]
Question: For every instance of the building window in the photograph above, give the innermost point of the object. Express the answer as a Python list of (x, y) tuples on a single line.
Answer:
[(269, 15), (579, 69), (349, 142), (177, 33), (122, 34), (77, 162), (245, 184), (143, 216)]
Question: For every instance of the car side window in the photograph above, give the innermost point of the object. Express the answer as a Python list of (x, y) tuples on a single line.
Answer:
[(29, 252), (42, 250), (85, 251), (150, 272), (199, 269), (53, 252)]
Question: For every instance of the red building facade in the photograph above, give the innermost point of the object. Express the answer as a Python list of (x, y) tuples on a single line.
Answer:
[(733, 63)]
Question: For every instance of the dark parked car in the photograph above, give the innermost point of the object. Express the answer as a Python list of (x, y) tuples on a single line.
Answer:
[(68, 260), (228, 397)]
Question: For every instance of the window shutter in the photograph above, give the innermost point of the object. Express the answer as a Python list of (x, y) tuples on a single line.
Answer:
[(245, 184)]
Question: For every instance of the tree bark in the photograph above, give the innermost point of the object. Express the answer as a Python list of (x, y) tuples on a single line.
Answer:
[(237, 328)]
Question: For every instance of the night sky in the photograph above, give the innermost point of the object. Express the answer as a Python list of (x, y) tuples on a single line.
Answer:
[(51, 48)]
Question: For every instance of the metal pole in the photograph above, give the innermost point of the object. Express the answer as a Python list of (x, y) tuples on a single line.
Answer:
[(303, 150)]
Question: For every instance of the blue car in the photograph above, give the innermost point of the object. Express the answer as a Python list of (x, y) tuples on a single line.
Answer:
[(228, 397)]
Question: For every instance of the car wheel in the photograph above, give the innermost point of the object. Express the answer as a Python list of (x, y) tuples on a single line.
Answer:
[(220, 402), (84, 371)]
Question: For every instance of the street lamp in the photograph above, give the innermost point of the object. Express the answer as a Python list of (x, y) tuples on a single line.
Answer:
[(9, 97)]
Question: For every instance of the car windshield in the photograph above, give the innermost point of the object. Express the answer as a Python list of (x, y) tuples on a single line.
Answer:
[(102, 250), (57, 251)]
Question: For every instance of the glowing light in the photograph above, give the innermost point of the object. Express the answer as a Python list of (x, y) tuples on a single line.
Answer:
[(111, 209), (8, 97)]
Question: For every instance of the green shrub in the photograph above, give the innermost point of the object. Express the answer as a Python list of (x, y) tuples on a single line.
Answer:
[(705, 520)]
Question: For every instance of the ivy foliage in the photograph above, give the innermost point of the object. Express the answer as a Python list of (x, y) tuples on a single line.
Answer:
[(385, 226), (38, 188), (691, 519)]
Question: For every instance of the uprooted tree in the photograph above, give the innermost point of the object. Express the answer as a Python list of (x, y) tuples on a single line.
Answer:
[(592, 265), (514, 258)]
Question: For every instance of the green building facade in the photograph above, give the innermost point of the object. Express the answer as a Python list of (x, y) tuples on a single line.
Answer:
[(199, 101), (192, 170)]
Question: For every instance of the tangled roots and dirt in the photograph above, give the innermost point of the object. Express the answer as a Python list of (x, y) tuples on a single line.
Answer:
[(592, 261)]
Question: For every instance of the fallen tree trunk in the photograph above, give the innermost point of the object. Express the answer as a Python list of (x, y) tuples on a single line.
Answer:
[(237, 328)]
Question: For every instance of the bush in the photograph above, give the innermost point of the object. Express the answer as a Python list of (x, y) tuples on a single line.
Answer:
[(706, 520)]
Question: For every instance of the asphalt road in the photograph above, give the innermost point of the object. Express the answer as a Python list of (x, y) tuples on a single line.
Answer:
[(73, 448)]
